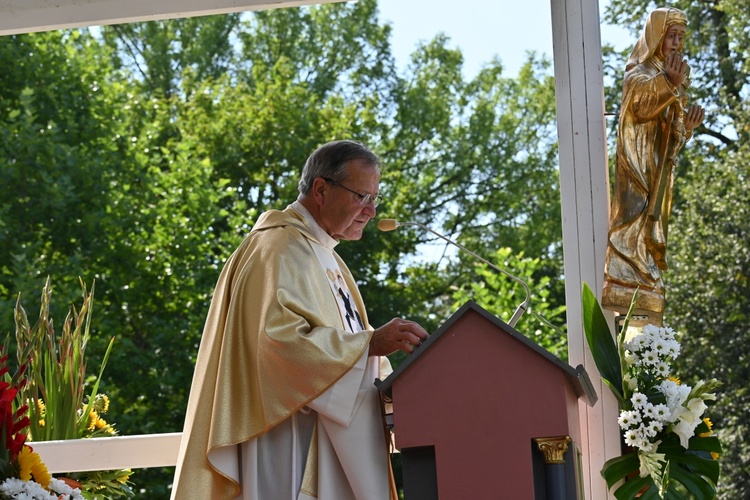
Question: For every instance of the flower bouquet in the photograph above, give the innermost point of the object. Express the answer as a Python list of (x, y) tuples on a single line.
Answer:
[(672, 453), (55, 400), (22, 473)]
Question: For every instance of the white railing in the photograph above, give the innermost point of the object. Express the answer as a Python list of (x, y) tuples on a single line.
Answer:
[(109, 453), (112, 453)]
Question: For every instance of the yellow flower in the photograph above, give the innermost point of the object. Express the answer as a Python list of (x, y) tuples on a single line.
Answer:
[(98, 423), (710, 425), (101, 403), (102, 424), (41, 474), (26, 460), (30, 464), (124, 478), (41, 411), (93, 419), (675, 380)]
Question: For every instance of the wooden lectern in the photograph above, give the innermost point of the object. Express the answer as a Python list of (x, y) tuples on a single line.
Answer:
[(481, 412)]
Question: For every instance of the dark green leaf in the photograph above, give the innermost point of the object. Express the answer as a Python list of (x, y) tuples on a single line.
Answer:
[(696, 485), (601, 342), (616, 469), (708, 443), (632, 486)]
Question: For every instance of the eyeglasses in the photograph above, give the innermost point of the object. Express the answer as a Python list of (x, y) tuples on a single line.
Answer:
[(364, 199)]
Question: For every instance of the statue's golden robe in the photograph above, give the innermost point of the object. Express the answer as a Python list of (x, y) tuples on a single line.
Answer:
[(273, 342), (651, 132)]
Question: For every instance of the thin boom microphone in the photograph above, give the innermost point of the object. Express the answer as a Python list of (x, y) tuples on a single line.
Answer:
[(391, 224)]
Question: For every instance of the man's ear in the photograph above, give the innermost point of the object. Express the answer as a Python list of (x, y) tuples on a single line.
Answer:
[(319, 190)]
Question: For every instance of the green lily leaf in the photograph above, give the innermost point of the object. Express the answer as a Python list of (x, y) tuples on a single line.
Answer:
[(692, 472), (694, 460), (602, 343), (675, 494), (696, 485), (633, 486), (618, 468), (708, 443)]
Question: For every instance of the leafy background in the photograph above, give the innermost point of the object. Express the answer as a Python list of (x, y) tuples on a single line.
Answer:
[(138, 156)]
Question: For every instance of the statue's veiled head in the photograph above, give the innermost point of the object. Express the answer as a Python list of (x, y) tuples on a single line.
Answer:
[(650, 42)]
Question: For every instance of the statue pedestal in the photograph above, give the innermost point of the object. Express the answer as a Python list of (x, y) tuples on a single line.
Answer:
[(649, 305)]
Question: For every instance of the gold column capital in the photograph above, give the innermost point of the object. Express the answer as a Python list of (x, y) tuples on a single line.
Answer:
[(554, 448)]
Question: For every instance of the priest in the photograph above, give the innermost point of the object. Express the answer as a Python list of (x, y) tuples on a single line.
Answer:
[(282, 404)]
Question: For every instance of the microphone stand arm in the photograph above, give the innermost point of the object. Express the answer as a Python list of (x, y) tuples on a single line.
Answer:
[(521, 308)]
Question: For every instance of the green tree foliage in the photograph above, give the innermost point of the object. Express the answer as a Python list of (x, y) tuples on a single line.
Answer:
[(707, 284), (475, 161), (497, 292), (158, 54), (143, 153), (61, 138), (709, 291)]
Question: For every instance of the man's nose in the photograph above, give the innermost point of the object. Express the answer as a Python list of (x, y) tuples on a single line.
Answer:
[(370, 210)]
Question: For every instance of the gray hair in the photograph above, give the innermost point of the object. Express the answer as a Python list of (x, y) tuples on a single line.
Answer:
[(330, 159)]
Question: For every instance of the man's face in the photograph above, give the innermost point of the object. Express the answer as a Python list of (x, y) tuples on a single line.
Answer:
[(674, 38), (341, 214)]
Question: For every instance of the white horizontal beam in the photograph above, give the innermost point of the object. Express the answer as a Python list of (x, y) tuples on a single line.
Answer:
[(28, 16), (109, 453)]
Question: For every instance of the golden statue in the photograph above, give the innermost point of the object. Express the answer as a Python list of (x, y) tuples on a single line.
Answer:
[(655, 123)]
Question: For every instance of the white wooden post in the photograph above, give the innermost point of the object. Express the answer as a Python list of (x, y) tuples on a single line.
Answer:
[(584, 189)]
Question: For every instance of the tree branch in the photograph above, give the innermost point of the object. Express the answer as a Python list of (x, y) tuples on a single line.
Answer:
[(703, 130)]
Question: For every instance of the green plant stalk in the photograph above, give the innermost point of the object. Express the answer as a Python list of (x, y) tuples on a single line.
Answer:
[(26, 337), (57, 369), (84, 420), (63, 375), (625, 390)]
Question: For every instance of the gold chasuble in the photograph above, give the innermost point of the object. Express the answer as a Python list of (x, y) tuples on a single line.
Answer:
[(283, 403)]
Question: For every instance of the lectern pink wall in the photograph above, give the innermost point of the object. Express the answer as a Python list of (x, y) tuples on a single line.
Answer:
[(470, 402)]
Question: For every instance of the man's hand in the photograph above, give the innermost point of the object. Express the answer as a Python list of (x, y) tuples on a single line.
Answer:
[(397, 335)]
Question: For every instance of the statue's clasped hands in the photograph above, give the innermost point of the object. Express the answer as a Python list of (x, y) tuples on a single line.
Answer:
[(676, 68)]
